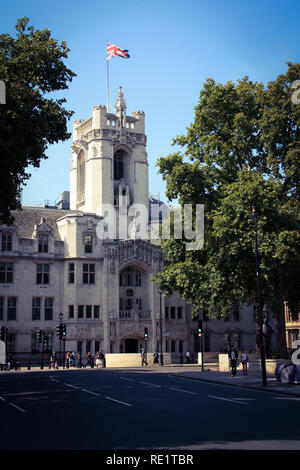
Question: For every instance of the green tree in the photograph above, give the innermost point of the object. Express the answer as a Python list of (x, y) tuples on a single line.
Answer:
[(240, 151), (31, 66)]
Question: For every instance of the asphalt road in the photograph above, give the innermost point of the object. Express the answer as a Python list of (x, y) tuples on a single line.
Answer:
[(123, 409)]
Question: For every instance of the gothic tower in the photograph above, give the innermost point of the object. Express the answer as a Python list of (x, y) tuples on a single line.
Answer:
[(109, 163)]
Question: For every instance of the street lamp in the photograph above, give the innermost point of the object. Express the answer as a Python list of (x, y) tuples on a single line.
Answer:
[(254, 217), (160, 321), (60, 327)]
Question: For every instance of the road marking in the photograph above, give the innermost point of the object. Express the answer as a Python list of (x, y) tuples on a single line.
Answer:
[(181, 390), (125, 378), (118, 401), (228, 399), (70, 385), (11, 404), (91, 393), (152, 385)]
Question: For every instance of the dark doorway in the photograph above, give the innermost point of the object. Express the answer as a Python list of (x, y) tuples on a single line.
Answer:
[(131, 345)]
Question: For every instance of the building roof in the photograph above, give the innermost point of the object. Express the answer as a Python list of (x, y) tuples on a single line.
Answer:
[(28, 217)]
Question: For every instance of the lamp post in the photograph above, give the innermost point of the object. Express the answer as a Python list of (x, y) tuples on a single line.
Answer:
[(161, 337), (254, 217), (60, 324)]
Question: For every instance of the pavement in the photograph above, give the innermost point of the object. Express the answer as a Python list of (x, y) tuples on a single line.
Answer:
[(210, 374), (251, 381)]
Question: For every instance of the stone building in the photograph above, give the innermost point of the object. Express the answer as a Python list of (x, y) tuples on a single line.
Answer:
[(91, 259)]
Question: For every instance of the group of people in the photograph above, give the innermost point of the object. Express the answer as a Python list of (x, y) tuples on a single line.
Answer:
[(144, 358), (235, 359), (74, 359)]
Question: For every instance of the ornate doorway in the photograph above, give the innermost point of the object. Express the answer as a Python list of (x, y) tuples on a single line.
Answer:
[(131, 345)]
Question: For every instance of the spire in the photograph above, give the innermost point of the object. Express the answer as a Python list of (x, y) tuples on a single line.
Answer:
[(120, 107)]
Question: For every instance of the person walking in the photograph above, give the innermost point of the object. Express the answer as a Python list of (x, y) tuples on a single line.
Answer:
[(53, 361), (155, 357), (187, 355), (102, 358), (89, 360), (233, 357), (244, 360), (144, 362)]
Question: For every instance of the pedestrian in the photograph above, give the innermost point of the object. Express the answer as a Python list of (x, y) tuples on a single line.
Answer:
[(89, 360), (68, 360), (187, 355), (102, 358), (143, 357), (155, 357), (79, 360), (244, 360), (53, 361), (233, 357)]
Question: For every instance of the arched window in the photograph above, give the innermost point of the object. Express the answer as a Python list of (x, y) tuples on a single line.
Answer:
[(130, 277), (119, 165)]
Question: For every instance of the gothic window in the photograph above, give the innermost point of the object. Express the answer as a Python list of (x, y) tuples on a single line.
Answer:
[(130, 277), (138, 279), (43, 243), (119, 165)]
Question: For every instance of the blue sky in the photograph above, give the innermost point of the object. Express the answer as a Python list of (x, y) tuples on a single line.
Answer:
[(174, 46)]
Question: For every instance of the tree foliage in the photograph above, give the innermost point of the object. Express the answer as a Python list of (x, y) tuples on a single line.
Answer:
[(31, 66), (242, 150)]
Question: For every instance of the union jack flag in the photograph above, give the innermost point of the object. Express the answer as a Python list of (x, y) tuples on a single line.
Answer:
[(113, 51)]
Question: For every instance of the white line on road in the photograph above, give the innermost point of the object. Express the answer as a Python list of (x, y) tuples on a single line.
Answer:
[(91, 393), (228, 399), (181, 390), (152, 385), (11, 404), (125, 378), (118, 401), (70, 385)]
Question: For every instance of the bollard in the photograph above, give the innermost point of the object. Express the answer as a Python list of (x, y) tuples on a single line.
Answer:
[(29, 364)]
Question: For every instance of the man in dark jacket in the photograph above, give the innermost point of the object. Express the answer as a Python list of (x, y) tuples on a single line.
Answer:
[(233, 357)]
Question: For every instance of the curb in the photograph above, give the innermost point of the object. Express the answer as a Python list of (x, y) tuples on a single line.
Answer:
[(261, 389)]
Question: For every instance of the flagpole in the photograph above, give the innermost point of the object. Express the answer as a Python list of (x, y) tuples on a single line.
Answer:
[(107, 77)]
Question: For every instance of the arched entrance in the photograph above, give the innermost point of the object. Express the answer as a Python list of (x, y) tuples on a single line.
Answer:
[(131, 345)]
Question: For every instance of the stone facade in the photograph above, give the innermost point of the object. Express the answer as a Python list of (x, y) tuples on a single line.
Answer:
[(54, 262)]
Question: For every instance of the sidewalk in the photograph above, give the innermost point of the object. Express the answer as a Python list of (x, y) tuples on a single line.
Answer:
[(252, 381)]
